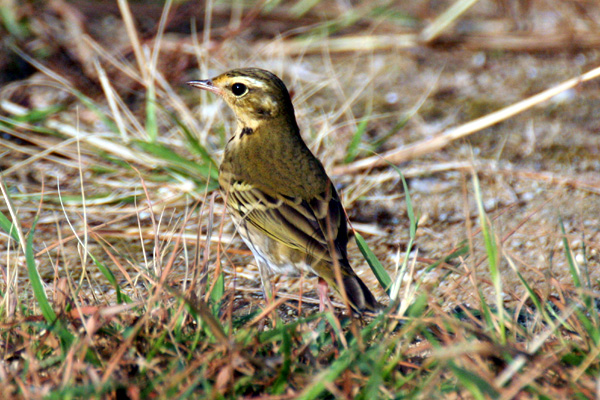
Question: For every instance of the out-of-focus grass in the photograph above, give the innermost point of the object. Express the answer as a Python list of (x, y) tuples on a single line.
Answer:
[(191, 337)]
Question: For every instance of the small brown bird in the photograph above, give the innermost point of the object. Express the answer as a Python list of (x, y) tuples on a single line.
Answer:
[(281, 199)]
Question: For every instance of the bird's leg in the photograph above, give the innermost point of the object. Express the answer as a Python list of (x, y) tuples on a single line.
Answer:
[(265, 277), (322, 289)]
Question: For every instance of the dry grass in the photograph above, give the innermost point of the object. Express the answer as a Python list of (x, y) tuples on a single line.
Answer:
[(110, 212)]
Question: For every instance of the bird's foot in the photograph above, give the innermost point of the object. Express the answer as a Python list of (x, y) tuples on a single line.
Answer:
[(323, 289)]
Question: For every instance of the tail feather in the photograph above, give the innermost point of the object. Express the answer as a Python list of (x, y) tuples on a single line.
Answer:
[(360, 297)]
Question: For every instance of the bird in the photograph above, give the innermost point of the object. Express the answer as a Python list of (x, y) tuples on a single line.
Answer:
[(282, 201)]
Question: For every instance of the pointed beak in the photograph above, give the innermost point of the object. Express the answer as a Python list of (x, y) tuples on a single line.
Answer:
[(206, 85)]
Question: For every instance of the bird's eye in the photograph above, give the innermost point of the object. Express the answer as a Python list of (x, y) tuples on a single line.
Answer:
[(238, 89)]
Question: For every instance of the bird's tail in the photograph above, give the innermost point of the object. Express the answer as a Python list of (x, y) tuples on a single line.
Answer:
[(360, 297)]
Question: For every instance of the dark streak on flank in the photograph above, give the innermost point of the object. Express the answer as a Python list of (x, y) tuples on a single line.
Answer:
[(262, 112), (246, 131)]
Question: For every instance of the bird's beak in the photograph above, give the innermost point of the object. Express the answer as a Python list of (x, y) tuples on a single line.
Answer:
[(206, 85)]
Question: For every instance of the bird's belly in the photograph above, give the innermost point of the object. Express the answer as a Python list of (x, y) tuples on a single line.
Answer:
[(276, 256)]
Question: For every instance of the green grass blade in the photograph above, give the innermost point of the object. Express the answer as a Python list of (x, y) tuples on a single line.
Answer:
[(353, 147), (277, 333), (588, 325), (329, 375), (418, 306), (380, 273), (460, 251), (151, 122), (191, 169), (572, 267), (478, 387), (216, 295), (302, 7), (491, 248), (195, 144), (409, 206), (211, 325), (8, 227), (395, 289), (14, 26), (534, 297), (376, 145), (286, 350), (39, 114), (36, 280), (485, 310), (91, 105), (121, 298)]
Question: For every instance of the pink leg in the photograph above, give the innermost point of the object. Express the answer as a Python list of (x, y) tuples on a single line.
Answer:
[(322, 289)]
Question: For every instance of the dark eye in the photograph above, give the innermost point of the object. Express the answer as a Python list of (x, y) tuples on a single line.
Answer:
[(238, 89)]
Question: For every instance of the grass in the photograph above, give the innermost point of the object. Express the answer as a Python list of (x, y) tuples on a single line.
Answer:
[(122, 276)]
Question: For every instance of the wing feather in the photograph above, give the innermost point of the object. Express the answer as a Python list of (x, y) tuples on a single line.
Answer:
[(304, 225)]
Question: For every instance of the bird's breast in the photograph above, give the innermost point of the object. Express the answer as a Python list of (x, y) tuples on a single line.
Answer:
[(274, 158)]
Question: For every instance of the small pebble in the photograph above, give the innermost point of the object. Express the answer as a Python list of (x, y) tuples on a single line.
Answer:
[(565, 96), (532, 73), (478, 60), (490, 204), (391, 97), (528, 196)]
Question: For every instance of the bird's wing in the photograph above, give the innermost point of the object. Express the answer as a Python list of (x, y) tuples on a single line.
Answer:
[(304, 225)]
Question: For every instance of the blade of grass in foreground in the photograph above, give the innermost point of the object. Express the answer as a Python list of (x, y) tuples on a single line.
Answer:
[(353, 147), (589, 304), (211, 325), (8, 227), (97, 110), (10, 21), (286, 349), (121, 298), (277, 332), (38, 114), (380, 273), (461, 249), (151, 123), (491, 247), (572, 267), (36, 280), (537, 302), (216, 294), (189, 168), (194, 143), (328, 376), (391, 288), (395, 290), (479, 388), (40, 295)]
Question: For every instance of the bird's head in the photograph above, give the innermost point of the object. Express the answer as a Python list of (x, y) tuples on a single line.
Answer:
[(255, 95)]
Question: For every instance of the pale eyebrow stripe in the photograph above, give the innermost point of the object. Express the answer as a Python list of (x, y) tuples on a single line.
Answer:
[(255, 82)]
